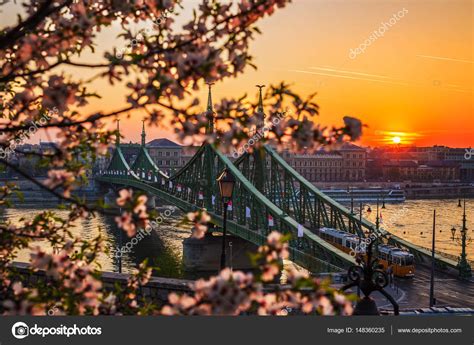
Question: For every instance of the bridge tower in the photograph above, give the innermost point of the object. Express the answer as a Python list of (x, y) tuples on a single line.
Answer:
[(117, 136), (259, 153), (211, 175), (143, 134), (260, 112), (210, 111)]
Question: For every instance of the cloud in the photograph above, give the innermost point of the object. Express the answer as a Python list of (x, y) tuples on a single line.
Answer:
[(444, 58), (350, 77), (350, 72), (377, 78)]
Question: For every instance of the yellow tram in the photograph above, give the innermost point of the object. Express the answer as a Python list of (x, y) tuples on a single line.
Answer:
[(400, 261)]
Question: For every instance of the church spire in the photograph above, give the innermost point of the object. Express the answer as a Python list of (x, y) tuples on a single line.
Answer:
[(260, 112), (117, 136), (210, 111), (143, 133)]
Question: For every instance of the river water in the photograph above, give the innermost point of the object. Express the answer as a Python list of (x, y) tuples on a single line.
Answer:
[(163, 245), (411, 220)]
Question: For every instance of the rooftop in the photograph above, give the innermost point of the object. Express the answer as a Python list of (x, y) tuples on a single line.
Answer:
[(350, 147), (405, 164), (163, 142)]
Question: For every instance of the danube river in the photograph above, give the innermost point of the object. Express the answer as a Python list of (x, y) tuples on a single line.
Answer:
[(411, 220)]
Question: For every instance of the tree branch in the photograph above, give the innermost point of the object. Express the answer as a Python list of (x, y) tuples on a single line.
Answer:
[(29, 24), (53, 192)]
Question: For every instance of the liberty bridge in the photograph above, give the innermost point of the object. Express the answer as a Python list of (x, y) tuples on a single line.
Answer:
[(268, 195)]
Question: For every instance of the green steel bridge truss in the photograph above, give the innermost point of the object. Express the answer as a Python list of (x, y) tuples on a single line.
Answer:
[(268, 195), (252, 216)]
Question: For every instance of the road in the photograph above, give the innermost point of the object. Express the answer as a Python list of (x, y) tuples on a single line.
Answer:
[(449, 291)]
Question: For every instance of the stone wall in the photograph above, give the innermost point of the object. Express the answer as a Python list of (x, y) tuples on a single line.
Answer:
[(156, 289)]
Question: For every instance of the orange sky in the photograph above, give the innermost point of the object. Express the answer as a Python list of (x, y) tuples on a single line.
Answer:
[(416, 80)]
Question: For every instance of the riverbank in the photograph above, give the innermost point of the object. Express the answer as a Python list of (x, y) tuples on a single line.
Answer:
[(343, 191)]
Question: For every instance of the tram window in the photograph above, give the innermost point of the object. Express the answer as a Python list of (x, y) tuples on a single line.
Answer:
[(409, 260)]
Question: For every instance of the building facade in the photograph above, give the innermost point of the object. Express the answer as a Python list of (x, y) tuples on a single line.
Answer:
[(168, 155), (430, 171), (354, 162), (348, 163)]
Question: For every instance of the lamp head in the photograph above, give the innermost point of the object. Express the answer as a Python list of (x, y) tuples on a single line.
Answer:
[(226, 184)]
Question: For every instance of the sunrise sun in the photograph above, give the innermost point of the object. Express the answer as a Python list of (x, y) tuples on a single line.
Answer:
[(396, 140)]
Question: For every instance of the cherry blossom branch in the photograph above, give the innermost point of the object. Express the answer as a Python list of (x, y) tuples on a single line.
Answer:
[(53, 191), (90, 119), (30, 23), (11, 77)]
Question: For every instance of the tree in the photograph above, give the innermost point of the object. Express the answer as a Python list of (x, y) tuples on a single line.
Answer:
[(166, 65)]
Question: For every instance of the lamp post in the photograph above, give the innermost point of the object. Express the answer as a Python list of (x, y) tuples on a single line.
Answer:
[(361, 208), (463, 265), (377, 219), (226, 187), (120, 243), (432, 298)]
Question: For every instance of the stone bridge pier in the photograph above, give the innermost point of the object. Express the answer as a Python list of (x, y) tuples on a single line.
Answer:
[(205, 254), (111, 195), (151, 201)]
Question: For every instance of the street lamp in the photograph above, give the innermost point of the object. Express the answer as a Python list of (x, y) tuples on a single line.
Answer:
[(383, 200), (453, 232), (226, 187), (433, 241), (463, 265)]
